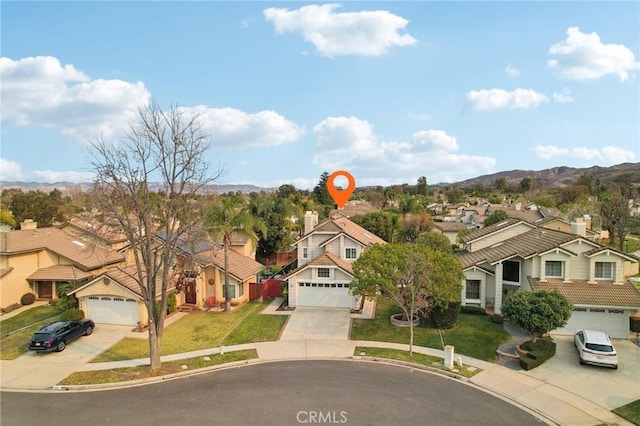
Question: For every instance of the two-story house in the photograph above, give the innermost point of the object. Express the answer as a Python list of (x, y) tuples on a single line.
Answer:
[(325, 254), (514, 255)]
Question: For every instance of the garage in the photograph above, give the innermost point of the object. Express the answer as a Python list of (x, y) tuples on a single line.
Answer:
[(327, 295), (112, 310), (614, 322)]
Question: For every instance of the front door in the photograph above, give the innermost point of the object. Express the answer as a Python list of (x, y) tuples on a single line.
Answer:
[(45, 289), (190, 293)]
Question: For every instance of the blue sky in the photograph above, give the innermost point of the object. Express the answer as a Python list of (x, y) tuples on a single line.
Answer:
[(389, 91)]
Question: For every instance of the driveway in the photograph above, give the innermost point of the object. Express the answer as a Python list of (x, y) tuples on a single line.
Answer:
[(604, 386), (35, 370), (318, 324)]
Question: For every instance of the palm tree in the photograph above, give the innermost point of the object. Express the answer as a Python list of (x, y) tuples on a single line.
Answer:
[(230, 215)]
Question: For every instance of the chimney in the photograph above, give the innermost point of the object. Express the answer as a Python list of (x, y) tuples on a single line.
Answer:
[(579, 227), (28, 224), (310, 221), (518, 206), (587, 220)]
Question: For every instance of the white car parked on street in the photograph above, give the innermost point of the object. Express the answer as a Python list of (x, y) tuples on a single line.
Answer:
[(594, 347)]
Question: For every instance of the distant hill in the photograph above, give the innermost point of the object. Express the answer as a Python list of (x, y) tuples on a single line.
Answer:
[(68, 187), (556, 177)]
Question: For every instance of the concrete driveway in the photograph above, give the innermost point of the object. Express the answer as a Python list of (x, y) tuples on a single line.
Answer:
[(35, 370), (606, 387), (308, 323)]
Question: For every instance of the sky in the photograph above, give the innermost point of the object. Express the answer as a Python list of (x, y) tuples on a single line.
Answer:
[(388, 91)]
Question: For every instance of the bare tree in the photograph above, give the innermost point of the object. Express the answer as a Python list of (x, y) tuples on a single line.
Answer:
[(163, 150), (616, 214)]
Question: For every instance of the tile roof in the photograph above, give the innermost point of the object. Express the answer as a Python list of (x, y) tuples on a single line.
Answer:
[(450, 226), (525, 245), (83, 254), (601, 249), (325, 259), (339, 223), (123, 277), (106, 232), (5, 271), (59, 273), (527, 215), (490, 229), (240, 266), (602, 293)]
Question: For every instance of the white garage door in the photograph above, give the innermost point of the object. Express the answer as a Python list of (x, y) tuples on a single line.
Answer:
[(614, 322), (112, 310), (327, 295)]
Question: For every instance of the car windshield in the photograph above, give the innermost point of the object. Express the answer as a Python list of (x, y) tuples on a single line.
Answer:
[(599, 348), (43, 336)]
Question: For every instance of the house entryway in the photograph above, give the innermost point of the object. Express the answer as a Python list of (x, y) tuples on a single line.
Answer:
[(190, 293), (308, 323)]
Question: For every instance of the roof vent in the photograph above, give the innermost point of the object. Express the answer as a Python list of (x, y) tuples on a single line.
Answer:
[(78, 243)]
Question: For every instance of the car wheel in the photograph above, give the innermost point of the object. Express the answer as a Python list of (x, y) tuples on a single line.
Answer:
[(88, 331), (581, 361), (615, 367), (61, 346)]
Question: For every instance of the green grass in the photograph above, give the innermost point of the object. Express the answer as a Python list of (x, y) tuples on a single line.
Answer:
[(27, 322), (416, 358), (631, 412), (134, 373), (474, 335), (201, 330)]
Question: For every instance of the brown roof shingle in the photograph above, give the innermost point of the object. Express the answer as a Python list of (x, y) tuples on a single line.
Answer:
[(325, 259), (240, 266), (59, 273), (83, 254), (601, 293)]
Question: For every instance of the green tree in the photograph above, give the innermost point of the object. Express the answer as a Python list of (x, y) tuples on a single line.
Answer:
[(382, 223), (412, 225), (500, 184), (526, 184), (496, 217), (6, 218), (435, 241), (158, 145), (421, 186), (321, 192), (413, 276), (616, 216), (537, 312), (227, 216)]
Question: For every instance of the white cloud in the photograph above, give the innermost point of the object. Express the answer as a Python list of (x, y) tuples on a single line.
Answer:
[(512, 71), (40, 91), (231, 127), (10, 170), (583, 56), (606, 155), (368, 33), (563, 97), (350, 143), (495, 99), (55, 176)]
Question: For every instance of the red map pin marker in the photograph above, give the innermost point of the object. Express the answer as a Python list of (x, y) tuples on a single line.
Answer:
[(341, 196)]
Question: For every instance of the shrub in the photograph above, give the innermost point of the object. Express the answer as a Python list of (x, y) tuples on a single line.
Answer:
[(172, 303), (496, 318), (72, 315), (11, 307), (473, 310), (28, 298), (539, 353), (445, 318)]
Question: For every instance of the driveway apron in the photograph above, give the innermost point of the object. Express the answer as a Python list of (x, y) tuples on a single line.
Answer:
[(308, 323), (44, 370)]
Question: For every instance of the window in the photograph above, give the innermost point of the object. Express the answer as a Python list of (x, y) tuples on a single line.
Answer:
[(511, 271), (232, 291), (240, 290), (553, 268), (305, 252), (350, 253), (473, 289), (604, 270), (323, 272)]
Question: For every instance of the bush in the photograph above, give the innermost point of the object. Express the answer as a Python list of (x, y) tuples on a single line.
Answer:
[(496, 318), (172, 303), (28, 298), (445, 318), (72, 315), (539, 353), (473, 310), (11, 307)]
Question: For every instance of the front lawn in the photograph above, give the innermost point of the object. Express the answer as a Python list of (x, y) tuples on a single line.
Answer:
[(631, 412), (115, 375), (474, 335), (22, 327), (202, 330)]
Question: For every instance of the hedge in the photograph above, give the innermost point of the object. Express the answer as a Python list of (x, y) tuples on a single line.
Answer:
[(473, 310), (538, 354), (445, 318)]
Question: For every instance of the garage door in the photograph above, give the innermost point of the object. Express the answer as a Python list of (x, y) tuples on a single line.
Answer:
[(112, 310), (327, 295), (614, 322)]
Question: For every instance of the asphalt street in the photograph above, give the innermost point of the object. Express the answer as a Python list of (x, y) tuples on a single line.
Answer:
[(282, 393)]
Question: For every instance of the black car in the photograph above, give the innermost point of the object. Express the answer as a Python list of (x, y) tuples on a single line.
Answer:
[(55, 336)]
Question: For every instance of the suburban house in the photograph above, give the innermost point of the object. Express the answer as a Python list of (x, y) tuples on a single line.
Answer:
[(515, 255), (449, 230), (325, 254), (39, 260)]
